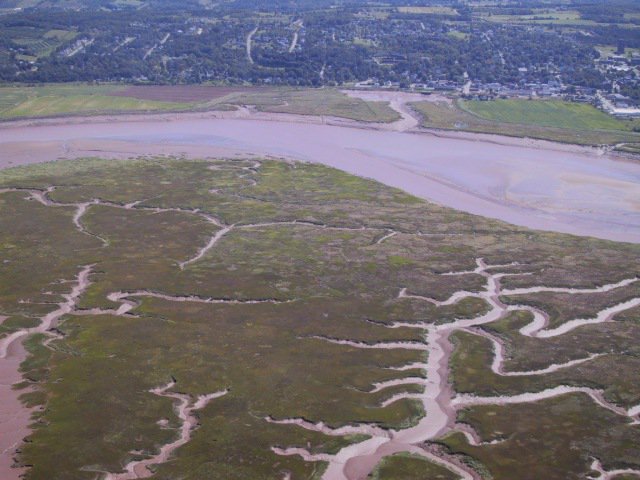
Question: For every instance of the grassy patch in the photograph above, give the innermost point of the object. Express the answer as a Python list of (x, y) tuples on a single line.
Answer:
[(523, 118), (17, 102), (471, 372), (405, 467), (547, 113), (544, 17), (548, 427), (458, 35), (435, 10), (316, 102)]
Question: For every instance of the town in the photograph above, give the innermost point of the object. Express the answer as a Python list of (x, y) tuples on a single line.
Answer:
[(483, 51)]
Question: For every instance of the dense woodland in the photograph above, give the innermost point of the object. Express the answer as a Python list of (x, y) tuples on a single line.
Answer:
[(338, 41)]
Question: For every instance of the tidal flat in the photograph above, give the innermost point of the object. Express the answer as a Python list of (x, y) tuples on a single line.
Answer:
[(542, 185)]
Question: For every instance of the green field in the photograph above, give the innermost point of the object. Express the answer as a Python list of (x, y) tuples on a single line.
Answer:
[(70, 99), (543, 119), (64, 105), (546, 113), (458, 35), (319, 102), (435, 10), (41, 42), (56, 100), (544, 17), (330, 274)]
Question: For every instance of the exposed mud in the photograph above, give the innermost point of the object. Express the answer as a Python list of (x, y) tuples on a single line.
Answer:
[(398, 101), (14, 417), (185, 409), (123, 296), (50, 319), (212, 242), (440, 403), (540, 185), (603, 474)]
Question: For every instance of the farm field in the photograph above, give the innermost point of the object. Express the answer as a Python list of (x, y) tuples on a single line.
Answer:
[(434, 10), (547, 120), (544, 17), (41, 43), (546, 113), (56, 100), (294, 314)]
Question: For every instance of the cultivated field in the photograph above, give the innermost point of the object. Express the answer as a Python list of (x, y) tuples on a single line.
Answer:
[(436, 10), (548, 120), (252, 318), (546, 113), (544, 17), (57, 100)]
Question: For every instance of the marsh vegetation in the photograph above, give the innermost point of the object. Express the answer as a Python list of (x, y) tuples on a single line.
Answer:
[(230, 300)]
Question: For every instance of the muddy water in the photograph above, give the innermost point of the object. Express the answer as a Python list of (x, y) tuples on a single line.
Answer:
[(559, 188)]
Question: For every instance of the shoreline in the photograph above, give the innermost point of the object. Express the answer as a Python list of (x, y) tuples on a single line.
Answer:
[(15, 416), (529, 183), (14, 412), (247, 112), (410, 121)]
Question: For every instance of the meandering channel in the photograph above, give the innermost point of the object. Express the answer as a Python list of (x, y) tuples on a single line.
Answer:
[(185, 409), (440, 403), (539, 185), (14, 417)]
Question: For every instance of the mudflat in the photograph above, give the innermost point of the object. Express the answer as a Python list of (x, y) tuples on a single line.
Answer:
[(14, 416), (534, 184)]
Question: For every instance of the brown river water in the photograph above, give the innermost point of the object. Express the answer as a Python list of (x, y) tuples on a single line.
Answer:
[(538, 185)]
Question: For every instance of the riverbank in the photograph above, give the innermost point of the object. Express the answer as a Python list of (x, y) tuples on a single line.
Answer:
[(532, 183)]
